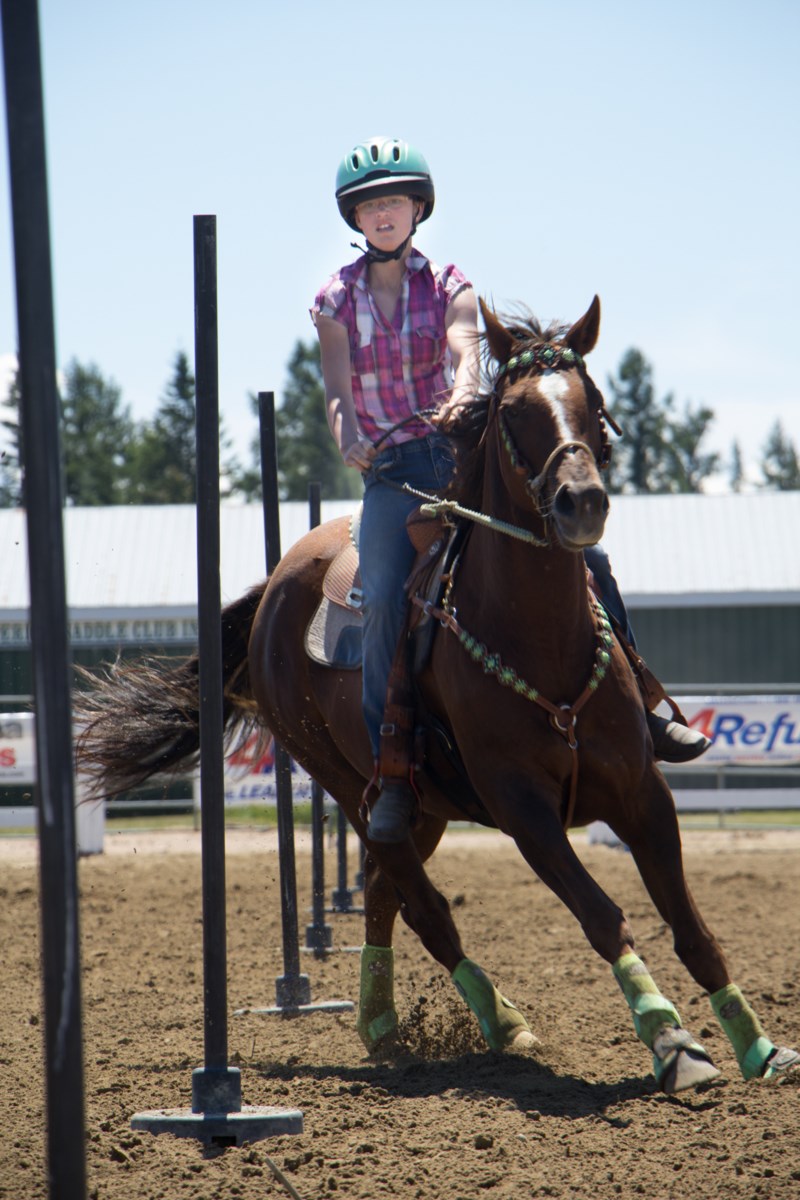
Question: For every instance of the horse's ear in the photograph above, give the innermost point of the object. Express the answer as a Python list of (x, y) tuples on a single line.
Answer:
[(582, 337), (499, 340)]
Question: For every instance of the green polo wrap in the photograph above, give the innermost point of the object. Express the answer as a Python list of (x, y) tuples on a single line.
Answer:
[(651, 1011), (376, 1011), (743, 1030)]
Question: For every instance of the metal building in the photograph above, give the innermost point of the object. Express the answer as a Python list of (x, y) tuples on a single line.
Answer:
[(712, 583)]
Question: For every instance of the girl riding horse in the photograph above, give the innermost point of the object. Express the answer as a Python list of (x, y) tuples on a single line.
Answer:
[(398, 342)]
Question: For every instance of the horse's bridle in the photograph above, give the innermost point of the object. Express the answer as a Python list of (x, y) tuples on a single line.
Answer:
[(536, 360)]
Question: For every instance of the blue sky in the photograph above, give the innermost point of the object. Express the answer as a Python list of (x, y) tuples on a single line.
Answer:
[(644, 152)]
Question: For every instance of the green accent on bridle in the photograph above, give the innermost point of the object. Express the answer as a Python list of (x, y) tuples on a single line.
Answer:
[(492, 664), (546, 357)]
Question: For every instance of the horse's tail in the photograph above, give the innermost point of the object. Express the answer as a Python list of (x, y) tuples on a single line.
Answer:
[(142, 718)]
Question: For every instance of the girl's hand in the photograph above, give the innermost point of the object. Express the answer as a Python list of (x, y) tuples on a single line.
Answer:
[(359, 455)]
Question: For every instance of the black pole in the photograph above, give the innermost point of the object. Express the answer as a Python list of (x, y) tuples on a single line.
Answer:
[(217, 1114), (342, 895), (55, 793), (319, 935), (292, 989), (212, 785)]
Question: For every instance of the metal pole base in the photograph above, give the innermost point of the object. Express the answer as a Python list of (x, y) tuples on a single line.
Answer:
[(250, 1124), (319, 938), (298, 1010), (217, 1115), (342, 902), (330, 950)]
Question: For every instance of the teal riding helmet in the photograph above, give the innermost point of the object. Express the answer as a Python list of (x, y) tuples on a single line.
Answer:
[(380, 167)]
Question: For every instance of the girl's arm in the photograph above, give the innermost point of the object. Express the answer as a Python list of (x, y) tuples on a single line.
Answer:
[(334, 345), (461, 327)]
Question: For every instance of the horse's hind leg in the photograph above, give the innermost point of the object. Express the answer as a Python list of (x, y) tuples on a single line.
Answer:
[(426, 911), (654, 840), (377, 1016)]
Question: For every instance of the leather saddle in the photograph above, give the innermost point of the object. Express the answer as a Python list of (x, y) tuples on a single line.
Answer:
[(333, 636)]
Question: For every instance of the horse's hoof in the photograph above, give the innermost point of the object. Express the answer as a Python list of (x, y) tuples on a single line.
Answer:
[(502, 1024), (782, 1064), (378, 1033), (521, 1040), (680, 1062)]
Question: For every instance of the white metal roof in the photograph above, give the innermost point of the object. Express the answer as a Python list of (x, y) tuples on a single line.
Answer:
[(665, 551)]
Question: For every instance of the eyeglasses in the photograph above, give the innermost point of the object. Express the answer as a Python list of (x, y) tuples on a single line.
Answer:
[(392, 203)]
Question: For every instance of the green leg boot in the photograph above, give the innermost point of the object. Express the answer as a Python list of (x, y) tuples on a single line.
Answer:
[(757, 1056), (377, 1016), (678, 1060), (503, 1026)]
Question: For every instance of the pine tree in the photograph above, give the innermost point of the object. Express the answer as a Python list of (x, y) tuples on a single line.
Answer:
[(11, 454), (780, 466), (306, 450), (736, 474), (685, 467), (96, 433), (637, 462), (163, 461), (660, 450)]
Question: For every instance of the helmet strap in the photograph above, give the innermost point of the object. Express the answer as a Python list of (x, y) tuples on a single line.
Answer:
[(374, 255)]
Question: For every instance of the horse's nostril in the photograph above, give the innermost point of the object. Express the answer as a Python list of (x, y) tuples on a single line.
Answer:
[(564, 504)]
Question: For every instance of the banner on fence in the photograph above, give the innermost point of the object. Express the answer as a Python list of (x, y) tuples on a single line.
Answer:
[(250, 776), (17, 749), (746, 731)]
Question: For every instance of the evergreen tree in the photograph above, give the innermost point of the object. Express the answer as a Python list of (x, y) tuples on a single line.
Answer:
[(780, 466), (306, 450), (637, 461), (163, 461), (659, 450), (11, 456), (96, 434), (736, 468), (685, 467)]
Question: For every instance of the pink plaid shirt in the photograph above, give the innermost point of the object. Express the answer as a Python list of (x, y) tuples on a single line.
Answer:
[(398, 367)]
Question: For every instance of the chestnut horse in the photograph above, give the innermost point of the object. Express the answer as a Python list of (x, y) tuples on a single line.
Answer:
[(524, 676)]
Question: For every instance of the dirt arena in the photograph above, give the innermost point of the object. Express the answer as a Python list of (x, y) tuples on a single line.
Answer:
[(579, 1118)]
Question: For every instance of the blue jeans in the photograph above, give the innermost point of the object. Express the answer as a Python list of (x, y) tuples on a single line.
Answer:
[(387, 557), (599, 564)]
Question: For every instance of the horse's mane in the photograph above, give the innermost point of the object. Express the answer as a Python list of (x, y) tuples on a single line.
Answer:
[(466, 425)]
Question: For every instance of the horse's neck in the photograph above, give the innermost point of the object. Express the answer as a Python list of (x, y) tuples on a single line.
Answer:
[(543, 589)]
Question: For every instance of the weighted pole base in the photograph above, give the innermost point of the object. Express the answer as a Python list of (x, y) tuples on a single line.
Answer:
[(217, 1116), (250, 1124)]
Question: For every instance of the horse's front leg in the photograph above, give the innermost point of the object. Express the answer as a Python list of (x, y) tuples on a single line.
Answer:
[(654, 839), (678, 1060)]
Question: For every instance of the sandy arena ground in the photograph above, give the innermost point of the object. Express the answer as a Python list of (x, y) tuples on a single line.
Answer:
[(579, 1118)]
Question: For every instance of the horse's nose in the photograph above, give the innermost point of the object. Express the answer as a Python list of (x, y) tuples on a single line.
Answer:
[(581, 513), (580, 504)]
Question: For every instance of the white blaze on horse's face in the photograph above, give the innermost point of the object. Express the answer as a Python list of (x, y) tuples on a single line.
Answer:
[(553, 387)]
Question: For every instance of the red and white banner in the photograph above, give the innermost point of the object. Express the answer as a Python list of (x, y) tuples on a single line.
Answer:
[(250, 776), (17, 749)]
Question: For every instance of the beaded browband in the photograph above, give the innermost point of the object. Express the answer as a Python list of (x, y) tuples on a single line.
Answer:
[(544, 357)]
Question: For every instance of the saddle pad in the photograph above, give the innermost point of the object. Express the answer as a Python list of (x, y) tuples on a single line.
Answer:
[(333, 637), (342, 582)]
